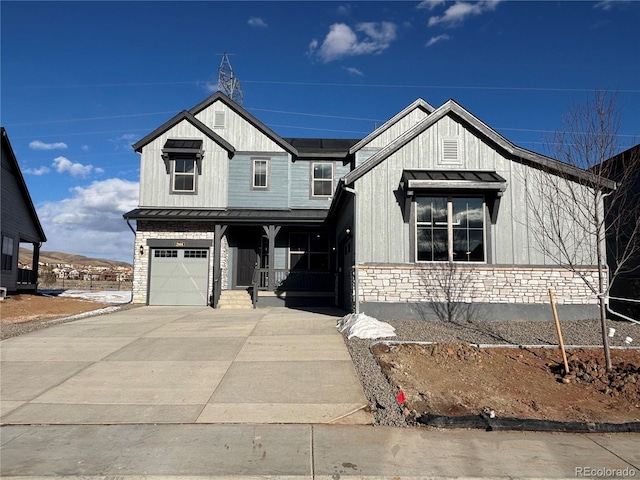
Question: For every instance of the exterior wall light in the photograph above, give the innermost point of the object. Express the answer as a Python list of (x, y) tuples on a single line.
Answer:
[(141, 250)]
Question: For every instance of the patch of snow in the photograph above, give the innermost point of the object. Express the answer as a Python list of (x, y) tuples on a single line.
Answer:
[(103, 296), (363, 326)]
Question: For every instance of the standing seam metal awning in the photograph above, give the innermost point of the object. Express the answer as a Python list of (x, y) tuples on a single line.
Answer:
[(451, 180), (229, 216)]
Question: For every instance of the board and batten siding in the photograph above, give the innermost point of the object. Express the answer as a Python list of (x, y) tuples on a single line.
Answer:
[(211, 183), (394, 131), (385, 238), (241, 193), (16, 213), (236, 130)]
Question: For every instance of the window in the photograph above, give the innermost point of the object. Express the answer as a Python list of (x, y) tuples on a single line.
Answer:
[(165, 253), (322, 181), (450, 229), (7, 253), (308, 251), (260, 173), (184, 174), (195, 254)]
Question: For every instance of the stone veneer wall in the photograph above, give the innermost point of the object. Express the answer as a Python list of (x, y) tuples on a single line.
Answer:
[(483, 284), (170, 230)]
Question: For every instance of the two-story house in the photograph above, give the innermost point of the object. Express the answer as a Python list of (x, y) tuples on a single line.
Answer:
[(19, 223), (363, 224)]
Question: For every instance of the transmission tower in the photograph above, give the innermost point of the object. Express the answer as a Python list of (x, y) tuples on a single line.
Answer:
[(228, 83)]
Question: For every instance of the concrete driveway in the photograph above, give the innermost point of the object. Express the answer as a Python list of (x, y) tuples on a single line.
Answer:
[(183, 365)]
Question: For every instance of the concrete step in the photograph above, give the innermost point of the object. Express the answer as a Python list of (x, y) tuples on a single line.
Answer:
[(235, 299)]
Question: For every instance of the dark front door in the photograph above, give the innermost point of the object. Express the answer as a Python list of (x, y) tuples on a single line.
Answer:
[(246, 261)]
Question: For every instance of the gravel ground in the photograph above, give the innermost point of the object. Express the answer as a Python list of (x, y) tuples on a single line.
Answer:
[(381, 397)]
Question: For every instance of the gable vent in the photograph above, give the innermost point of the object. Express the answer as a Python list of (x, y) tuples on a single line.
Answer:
[(450, 151), (219, 120)]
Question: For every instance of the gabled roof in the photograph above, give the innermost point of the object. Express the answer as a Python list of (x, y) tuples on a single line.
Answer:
[(6, 146), (184, 115), (485, 132), (419, 103), (219, 96)]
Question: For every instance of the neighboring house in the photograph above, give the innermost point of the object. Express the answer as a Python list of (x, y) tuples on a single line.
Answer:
[(19, 224), (363, 224), (624, 167)]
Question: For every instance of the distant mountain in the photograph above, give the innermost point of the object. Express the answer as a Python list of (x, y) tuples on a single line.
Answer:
[(71, 259)]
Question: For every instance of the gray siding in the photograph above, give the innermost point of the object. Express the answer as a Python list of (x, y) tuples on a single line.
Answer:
[(237, 131), (301, 183), (16, 219), (385, 238), (155, 182), (240, 191)]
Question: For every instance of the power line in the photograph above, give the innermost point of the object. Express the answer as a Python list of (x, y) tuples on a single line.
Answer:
[(323, 84)]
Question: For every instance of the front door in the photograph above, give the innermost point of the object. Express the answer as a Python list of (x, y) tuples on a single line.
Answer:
[(246, 261)]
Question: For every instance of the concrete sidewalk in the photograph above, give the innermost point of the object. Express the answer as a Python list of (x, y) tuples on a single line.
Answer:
[(183, 365), (307, 452), (177, 392)]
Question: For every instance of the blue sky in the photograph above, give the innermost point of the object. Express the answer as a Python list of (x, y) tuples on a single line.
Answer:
[(82, 81)]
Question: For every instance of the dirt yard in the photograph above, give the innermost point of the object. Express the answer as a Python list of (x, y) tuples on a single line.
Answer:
[(28, 308), (458, 379)]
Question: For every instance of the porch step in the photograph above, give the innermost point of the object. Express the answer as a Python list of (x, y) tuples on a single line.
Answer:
[(235, 299)]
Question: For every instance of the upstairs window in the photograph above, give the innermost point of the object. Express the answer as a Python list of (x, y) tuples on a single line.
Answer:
[(7, 253), (450, 229), (322, 180), (260, 173), (183, 162), (184, 175)]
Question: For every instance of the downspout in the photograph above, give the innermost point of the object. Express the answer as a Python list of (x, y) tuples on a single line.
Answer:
[(355, 230)]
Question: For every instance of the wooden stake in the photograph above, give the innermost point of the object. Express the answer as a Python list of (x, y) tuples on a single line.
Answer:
[(560, 341)]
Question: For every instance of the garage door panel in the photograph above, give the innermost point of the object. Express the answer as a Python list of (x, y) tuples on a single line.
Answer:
[(179, 277)]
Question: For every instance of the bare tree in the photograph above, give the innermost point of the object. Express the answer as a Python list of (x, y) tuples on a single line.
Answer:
[(576, 211)]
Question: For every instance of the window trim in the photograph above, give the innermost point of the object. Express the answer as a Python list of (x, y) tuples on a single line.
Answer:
[(173, 175), (449, 198), (313, 179), (267, 163)]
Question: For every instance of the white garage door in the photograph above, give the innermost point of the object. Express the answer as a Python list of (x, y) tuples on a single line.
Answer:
[(178, 277)]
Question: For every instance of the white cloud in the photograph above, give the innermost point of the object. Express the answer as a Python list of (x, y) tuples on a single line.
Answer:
[(608, 4), (343, 10), (354, 71), (257, 22), (90, 221), (125, 141), (437, 39), (38, 145), (37, 171), (459, 11), (85, 148), (342, 41), (430, 4), (63, 165)]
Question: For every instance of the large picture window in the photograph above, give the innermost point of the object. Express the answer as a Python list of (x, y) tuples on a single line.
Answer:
[(308, 251), (322, 181), (7, 253), (184, 174), (450, 229)]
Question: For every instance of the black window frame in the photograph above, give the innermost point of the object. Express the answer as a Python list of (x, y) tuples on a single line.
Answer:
[(7, 252), (451, 229)]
